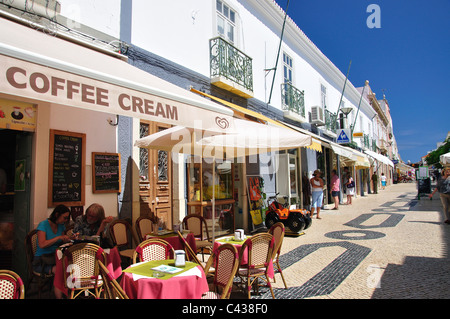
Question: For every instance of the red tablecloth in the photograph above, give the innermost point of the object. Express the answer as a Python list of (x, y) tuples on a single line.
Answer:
[(182, 286), (176, 242), (244, 261), (113, 263)]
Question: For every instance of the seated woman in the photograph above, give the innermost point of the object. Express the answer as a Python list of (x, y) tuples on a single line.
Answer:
[(93, 223), (50, 235)]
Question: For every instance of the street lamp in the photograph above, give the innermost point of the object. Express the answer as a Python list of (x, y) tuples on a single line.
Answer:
[(346, 111)]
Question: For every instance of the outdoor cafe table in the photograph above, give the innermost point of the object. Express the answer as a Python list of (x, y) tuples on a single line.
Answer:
[(138, 281), (113, 263), (238, 245)]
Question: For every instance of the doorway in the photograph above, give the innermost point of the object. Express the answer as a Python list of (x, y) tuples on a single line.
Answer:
[(15, 163), (155, 178)]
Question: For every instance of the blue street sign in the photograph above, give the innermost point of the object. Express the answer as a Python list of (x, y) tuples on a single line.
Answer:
[(343, 136)]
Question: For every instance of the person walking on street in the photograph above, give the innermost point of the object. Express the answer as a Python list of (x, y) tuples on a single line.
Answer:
[(335, 186), (443, 187), (383, 181), (350, 189), (375, 182), (317, 193)]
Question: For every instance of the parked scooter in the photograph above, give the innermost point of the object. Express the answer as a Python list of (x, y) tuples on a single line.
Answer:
[(294, 219)]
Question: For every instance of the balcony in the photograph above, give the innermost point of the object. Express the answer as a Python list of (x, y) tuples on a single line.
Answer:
[(331, 123), (230, 68), (293, 102)]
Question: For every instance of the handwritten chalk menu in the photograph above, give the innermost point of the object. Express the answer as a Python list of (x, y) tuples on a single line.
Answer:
[(106, 173), (66, 168)]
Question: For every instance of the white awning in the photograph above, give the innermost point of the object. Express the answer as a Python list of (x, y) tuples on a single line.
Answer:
[(380, 158), (38, 66), (341, 151), (251, 138), (317, 141)]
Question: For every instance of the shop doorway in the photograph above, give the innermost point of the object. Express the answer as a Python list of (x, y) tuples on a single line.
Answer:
[(155, 178), (15, 160)]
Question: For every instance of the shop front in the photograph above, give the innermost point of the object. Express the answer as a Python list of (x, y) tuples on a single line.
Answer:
[(59, 107)]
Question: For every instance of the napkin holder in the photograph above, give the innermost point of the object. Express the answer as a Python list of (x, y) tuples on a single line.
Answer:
[(239, 234), (180, 258)]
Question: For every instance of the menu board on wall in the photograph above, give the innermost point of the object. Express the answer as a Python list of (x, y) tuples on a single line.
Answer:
[(106, 173), (66, 168)]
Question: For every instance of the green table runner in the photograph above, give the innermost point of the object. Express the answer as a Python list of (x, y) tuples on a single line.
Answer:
[(145, 269), (230, 240)]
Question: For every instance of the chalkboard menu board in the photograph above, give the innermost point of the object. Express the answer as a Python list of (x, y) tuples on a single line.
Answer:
[(66, 168), (106, 172)]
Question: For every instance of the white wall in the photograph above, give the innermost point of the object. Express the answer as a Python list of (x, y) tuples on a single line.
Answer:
[(100, 137), (168, 29), (101, 15)]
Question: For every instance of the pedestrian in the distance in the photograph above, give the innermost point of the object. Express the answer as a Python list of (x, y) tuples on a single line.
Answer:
[(443, 187), (335, 189), (383, 181), (375, 182), (317, 192), (350, 189)]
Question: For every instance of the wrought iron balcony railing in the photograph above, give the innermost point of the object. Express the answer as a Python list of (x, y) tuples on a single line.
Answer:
[(331, 123), (292, 99), (366, 141), (231, 63)]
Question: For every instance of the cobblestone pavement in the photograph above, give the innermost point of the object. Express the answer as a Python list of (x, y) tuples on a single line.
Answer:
[(385, 245)]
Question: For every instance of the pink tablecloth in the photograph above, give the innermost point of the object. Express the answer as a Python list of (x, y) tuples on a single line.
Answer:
[(244, 261), (113, 263), (177, 287)]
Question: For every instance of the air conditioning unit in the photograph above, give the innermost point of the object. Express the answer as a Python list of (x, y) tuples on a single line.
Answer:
[(317, 116)]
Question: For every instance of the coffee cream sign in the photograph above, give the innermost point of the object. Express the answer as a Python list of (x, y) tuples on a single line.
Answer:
[(17, 115), (31, 80)]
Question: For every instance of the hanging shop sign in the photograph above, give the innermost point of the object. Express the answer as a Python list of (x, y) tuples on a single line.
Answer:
[(16, 115), (36, 81)]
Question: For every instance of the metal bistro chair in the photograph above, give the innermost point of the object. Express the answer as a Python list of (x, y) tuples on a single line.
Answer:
[(259, 255), (122, 236), (193, 256), (30, 249), (277, 230), (226, 261), (197, 224), (188, 249), (144, 226), (111, 288), (80, 261), (153, 249), (11, 285)]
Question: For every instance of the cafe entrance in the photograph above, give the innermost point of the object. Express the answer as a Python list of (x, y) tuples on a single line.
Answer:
[(155, 178), (15, 163)]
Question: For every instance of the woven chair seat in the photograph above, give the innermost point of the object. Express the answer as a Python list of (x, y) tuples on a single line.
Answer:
[(11, 285), (127, 253), (211, 295), (153, 249), (203, 243), (251, 272)]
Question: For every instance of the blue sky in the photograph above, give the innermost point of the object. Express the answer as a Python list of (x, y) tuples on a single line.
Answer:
[(408, 58)]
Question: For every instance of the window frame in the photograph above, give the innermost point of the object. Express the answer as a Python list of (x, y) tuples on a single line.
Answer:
[(229, 19)]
